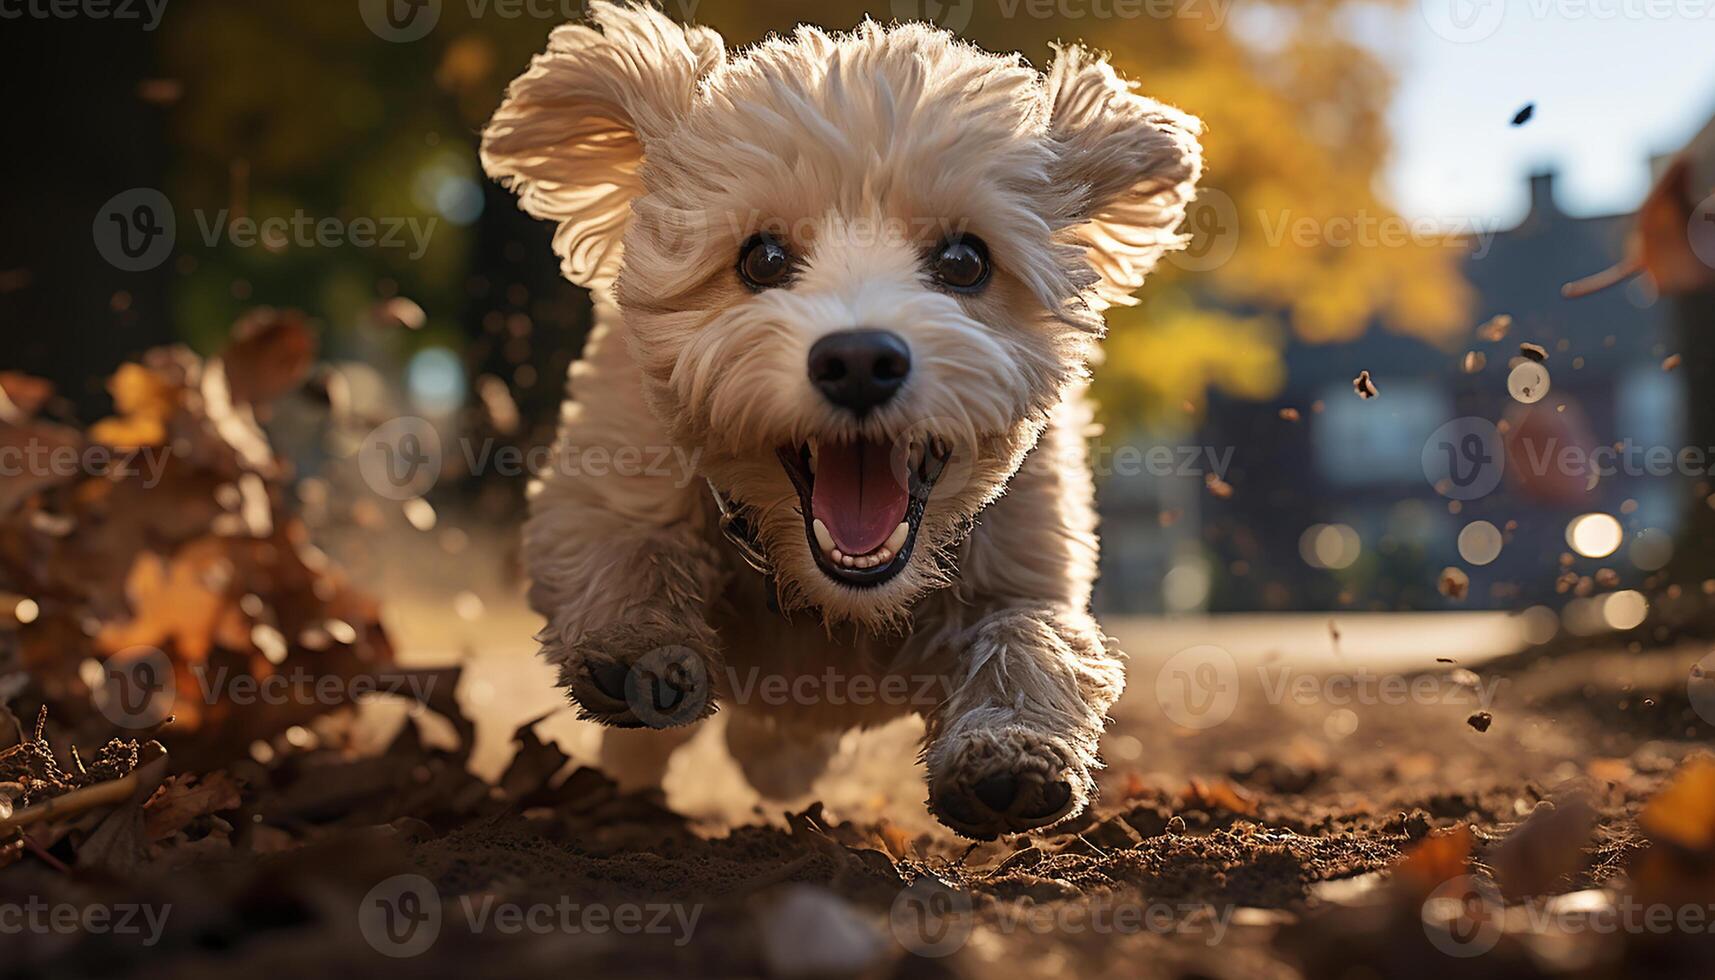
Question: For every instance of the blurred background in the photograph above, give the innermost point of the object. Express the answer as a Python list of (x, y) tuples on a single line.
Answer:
[(1384, 180)]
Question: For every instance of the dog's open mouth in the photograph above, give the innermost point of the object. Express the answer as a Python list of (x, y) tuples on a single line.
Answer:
[(862, 502)]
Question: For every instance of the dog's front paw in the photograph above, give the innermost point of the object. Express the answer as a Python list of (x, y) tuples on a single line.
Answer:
[(638, 677), (988, 782)]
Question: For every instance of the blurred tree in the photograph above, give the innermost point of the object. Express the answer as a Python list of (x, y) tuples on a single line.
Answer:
[(1289, 233), (302, 106), (67, 313)]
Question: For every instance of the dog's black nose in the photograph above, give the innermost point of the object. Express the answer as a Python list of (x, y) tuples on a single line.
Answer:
[(859, 369)]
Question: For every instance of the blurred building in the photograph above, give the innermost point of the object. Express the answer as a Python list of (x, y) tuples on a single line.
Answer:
[(1333, 509)]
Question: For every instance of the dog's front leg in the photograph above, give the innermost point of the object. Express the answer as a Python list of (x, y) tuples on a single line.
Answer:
[(1013, 745), (619, 560)]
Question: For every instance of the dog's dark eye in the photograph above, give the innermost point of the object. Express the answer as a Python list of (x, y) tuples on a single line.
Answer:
[(961, 263), (764, 262)]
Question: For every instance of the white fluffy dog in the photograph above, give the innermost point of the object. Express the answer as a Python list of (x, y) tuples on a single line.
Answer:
[(823, 460)]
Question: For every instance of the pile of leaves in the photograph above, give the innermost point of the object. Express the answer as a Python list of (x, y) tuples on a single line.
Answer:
[(163, 536)]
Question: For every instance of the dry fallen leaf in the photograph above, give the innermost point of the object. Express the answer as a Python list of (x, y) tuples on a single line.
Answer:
[(270, 354), (1495, 328), (1684, 811), (1659, 246), (185, 797), (1219, 794), (1454, 583), (182, 604), (1436, 860), (145, 402), (1547, 847)]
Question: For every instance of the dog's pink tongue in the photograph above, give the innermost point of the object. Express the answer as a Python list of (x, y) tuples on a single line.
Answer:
[(857, 495)]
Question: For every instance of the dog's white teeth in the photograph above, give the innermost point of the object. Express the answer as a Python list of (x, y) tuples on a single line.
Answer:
[(823, 538), (896, 540), (838, 556), (847, 560)]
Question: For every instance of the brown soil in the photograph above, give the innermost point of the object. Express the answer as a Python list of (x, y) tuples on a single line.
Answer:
[(1216, 864)]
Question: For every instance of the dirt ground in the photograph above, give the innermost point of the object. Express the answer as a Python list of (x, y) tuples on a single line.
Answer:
[(1268, 844)]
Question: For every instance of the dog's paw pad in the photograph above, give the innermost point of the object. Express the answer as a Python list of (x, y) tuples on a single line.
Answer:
[(990, 784), (624, 678)]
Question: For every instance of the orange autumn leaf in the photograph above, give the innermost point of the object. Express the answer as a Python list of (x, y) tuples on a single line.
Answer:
[(144, 401), (1220, 794), (1436, 860), (270, 354), (22, 396), (1684, 811), (1662, 242), (1660, 245), (185, 797), (182, 604)]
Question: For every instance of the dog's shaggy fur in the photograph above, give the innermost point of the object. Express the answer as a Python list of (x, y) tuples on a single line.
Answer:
[(661, 154)]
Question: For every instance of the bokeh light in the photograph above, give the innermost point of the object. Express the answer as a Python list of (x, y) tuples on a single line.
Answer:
[(1594, 535), (1480, 543)]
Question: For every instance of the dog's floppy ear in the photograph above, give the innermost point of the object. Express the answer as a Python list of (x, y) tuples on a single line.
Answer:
[(1132, 161), (571, 133)]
